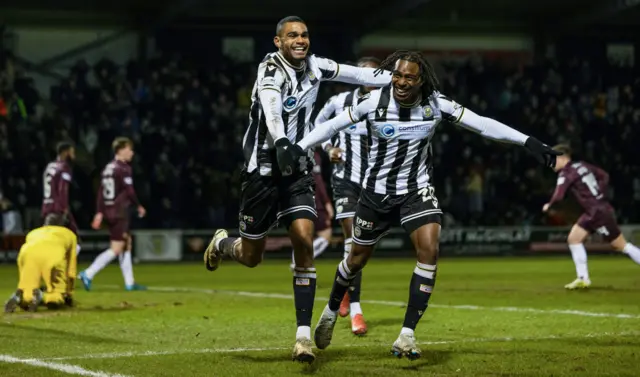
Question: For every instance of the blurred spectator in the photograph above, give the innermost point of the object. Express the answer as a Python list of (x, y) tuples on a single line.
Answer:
[(188, 119)]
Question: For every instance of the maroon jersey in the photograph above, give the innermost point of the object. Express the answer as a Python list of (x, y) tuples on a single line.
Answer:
[(587, 182), (116, 190), (322, 198), (56, 180)]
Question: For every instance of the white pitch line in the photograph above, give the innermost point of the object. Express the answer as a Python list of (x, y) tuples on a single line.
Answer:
[(66, 368), (117, 355), (402, 304)]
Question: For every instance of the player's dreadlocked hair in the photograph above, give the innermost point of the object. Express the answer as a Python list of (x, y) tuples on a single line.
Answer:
[(428, 77)]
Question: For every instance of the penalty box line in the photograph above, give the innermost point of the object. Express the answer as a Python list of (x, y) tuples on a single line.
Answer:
[(117, 355), (60, 367), (399, 303)]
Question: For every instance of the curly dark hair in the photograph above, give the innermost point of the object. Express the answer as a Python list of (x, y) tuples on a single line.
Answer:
[(428, 76)]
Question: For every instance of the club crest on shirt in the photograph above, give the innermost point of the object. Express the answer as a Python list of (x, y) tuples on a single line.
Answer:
[(428, 111), (388, 130), (311, 75)]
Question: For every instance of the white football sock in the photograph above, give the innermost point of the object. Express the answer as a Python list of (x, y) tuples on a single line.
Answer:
[(355, 309), (100, 262), (330, 313), (579, 255), (78, 248), (319, 246), (303, 332), (632, 251), (127, 268), (406, 331)]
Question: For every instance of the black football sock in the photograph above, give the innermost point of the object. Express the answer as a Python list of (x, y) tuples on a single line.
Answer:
[(343, 279), (422, 282), (354, 288), (304, 294)]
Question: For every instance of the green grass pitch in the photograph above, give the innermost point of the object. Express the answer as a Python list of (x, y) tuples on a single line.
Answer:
[(489, 317)]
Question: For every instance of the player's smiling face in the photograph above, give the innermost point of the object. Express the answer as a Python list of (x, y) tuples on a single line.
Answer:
[(293, 42), (406, 81)]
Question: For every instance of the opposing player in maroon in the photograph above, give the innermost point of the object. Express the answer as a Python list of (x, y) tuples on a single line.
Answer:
[(324, 208), (56, 180), (115, 195), (588, 183)]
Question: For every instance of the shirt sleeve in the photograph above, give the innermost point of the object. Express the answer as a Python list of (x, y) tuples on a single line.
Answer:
[(601, 175), (332, 71), (565, 180), (131, 191), (323, 132), (63, 190), (100, 199), (327, 112), (270, 83), (72, 267), (486, 127)]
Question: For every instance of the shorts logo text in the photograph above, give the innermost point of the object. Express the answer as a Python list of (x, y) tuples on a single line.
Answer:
[(364, 224)]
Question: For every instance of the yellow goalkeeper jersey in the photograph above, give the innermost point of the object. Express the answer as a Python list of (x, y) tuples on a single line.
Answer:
[(53, 235)]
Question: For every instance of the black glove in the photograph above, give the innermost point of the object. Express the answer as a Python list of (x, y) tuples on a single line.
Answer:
[(291, 158), (542, 152)]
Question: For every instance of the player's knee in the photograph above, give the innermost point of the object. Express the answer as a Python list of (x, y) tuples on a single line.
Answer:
[(573, 239), (427, 252), (253, 260), (359, 256), (117, 247), (303, 242)]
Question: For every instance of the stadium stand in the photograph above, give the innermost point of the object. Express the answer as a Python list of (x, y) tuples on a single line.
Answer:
[(187, 121)]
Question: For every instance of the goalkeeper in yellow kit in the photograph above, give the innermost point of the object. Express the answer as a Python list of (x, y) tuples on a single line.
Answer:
[(49, 253)]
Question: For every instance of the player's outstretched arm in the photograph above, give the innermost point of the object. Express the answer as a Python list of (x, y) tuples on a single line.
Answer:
[(494, 130), (332, 71), (565, 180), (325, 131), (327, 112)]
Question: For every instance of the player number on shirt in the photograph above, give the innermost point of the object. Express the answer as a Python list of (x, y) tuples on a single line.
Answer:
[(592, 184), (47, 186), (108, 188), (428, 193)]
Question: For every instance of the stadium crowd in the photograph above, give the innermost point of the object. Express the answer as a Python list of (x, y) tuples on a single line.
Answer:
[(188, 121)]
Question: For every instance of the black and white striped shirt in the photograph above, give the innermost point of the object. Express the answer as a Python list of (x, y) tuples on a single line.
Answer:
[(354, 140), (400, 155), (298, 89), (282, 101)]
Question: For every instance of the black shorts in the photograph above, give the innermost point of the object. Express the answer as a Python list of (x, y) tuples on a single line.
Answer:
[(345, 197), (376, 213), (266, 201)]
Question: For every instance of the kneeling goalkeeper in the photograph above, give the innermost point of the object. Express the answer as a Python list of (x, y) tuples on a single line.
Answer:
[(48, 254)]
